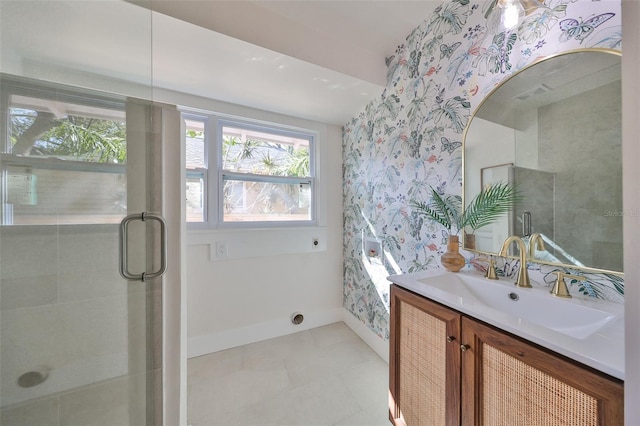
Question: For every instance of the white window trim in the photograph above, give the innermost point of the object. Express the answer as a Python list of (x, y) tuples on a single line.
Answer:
[(206, 195), (213, 196)]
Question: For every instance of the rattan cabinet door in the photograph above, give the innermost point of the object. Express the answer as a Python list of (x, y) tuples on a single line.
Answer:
[(507, 381), (424, 361)]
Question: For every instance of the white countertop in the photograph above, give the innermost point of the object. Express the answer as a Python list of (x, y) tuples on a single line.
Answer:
[(602, 350)]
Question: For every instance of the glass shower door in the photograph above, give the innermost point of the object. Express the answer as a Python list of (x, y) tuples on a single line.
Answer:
[(79, 344)]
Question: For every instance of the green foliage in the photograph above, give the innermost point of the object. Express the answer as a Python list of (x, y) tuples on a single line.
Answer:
[(74, 137), (298, 163), (262, 157), (268, 162), (443, 209), (248, 150), (491, 203), (195, 134), (88, 139)]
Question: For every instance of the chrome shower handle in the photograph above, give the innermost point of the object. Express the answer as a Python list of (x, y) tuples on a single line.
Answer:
[(124, 240), (526, 224)]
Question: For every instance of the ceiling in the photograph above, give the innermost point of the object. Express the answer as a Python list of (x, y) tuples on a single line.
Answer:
[(349, 36), (548, 82), (320, 60)]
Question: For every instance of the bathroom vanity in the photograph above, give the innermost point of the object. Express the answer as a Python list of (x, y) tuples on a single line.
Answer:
[(465, 350)]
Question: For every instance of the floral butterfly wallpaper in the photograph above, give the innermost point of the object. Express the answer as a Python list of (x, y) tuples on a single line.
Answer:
[(410, 139)]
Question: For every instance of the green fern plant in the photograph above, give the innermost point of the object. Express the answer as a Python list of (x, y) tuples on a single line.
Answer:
[(491, 203)]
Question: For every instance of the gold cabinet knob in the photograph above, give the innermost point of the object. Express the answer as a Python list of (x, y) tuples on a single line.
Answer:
[(464, 347), (451, 338)]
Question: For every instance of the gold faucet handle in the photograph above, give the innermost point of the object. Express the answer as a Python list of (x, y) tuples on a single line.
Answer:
[(560, 288), (491, 270)]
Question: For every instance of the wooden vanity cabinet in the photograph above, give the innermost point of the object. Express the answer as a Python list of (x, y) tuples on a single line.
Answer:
[(449, 369), (508, 381), (424, 361)]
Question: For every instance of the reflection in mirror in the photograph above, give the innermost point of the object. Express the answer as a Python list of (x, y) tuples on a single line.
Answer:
[(554, 130)]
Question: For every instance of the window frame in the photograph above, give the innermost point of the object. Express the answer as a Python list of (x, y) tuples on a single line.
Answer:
[(204, 171), (54, 92), (213, 192)]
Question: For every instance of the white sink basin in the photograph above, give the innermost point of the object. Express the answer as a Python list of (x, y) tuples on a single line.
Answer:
[(577, 318)]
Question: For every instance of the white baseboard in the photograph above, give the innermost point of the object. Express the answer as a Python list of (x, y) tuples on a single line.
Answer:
[(379, 345), (202, 345)]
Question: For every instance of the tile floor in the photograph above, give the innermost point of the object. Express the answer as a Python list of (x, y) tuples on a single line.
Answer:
[(323, 376)]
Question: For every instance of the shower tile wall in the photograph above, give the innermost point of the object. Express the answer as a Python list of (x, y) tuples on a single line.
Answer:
[(538, 187), (55, 281), (590, 193)]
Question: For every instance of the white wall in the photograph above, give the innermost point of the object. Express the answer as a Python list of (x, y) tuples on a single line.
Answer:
[(269, 274), (631, 197), (486, 144)]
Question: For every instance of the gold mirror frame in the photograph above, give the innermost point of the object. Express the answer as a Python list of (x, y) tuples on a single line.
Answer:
[(464, 138)]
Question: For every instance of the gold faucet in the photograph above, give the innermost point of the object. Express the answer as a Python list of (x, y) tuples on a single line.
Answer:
[(535, 243), (523, 276), (560, 287)]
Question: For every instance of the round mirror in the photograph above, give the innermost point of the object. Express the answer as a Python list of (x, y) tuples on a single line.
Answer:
[(554, 130)]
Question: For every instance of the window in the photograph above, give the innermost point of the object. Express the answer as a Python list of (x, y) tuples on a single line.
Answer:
[(264, 174), (63, 156), (196, 165)]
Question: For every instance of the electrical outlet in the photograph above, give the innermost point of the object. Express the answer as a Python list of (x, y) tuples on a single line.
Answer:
[(222, 251), (315, 243)]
